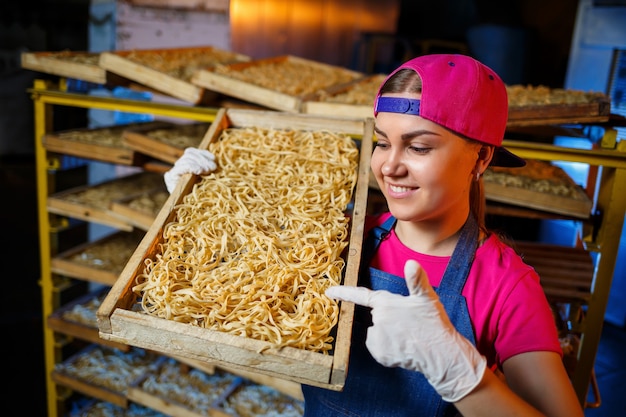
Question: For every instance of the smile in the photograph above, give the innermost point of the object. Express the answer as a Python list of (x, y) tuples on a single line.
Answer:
[(397, 189)]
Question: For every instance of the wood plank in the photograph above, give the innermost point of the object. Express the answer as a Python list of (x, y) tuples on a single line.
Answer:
[(169, 337)]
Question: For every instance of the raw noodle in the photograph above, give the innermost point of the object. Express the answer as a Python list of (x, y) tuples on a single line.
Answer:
[(255, 244)]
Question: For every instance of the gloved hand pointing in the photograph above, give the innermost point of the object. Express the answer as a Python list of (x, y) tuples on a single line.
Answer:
[(415, 333), (193, 161)]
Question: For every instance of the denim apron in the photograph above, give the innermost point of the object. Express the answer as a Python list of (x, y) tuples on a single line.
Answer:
[(374, 390)]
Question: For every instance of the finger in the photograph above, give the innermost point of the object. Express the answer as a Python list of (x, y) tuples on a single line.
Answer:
[(357, 295), (416, 278)]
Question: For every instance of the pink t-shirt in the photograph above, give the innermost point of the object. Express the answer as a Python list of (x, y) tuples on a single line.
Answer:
[(506, 303)]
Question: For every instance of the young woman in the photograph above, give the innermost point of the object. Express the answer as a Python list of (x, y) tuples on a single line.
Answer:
[(419, 351), (440, 121)]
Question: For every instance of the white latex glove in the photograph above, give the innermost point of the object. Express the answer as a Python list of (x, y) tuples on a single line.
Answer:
[(415, 333), (193, 161)]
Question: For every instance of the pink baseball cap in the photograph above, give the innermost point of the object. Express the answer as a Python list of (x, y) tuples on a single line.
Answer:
[(461, 94)]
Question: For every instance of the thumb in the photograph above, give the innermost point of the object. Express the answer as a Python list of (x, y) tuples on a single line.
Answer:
[(416, 279), (357, 295)]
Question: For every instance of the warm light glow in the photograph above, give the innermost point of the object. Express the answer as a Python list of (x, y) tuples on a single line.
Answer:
[(323, 30)]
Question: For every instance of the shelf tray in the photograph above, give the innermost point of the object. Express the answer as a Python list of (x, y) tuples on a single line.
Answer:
[(78, 319), (566, 273), (78, 65), (280, 83), (167, 141), (120, 318), (140, 210), (197, 394), (537, 105), (105, 144), (539, 185), (99, 261), (88, 371), (168, 70), (92, 203)]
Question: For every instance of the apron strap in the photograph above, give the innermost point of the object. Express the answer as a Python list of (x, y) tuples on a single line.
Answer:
[(460, 263)]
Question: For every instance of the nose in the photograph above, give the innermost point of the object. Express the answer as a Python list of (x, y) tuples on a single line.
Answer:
[(393, 165)]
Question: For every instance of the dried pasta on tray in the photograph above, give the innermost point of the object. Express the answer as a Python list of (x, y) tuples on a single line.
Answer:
[(251, 248)]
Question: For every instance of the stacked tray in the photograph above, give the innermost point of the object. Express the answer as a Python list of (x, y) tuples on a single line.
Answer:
[(168, 71)]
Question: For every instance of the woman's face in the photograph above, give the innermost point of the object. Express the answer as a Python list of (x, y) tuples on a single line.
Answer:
[(424, 170)]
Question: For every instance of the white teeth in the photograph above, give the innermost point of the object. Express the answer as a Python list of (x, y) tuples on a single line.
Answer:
[(396, 189)]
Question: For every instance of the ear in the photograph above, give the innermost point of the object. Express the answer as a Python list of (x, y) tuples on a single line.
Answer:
[(485, 153)]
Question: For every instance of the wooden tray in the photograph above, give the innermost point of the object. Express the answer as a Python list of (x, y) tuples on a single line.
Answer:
[(249, 398), (168, 70), (92, 203), (120, 319), (79, 65), (566, 273), (78, 319), (198, 392), (354, 99), (104, 144), (201, 394), (75, 372), (280, 83), (166, 141), (538, 175), (538, 105), (100, 261), (140, 210)]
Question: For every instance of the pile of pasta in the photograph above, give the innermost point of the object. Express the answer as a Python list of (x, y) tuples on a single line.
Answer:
[(360, 93), (182, 136), (255, 244), (289, 76), (181, 63), (528, 95)]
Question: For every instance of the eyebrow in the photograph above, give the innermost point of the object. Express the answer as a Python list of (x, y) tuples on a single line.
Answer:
[(409, 135)]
